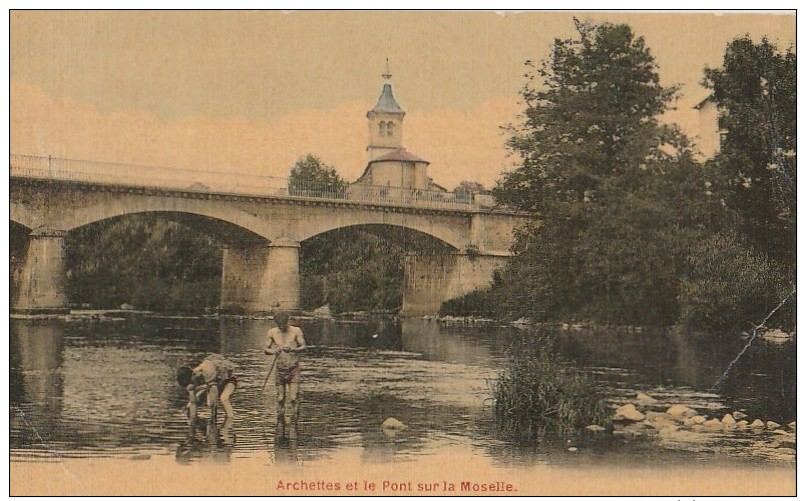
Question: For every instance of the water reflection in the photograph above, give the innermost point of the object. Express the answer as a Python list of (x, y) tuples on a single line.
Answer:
[(109, 387), (37, 385), (437, 342), (286, 441), (207, 442)]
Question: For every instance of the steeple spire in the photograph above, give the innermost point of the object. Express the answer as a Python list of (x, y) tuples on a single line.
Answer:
[(387, 102), (385, 121), (387, 75)]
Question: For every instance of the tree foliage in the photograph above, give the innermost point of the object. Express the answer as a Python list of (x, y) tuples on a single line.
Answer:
[(734, 285), (617, 192), (590, 125), (351, 269), (631, 229), (465, 190), (145, 261), (359, 268), (310, 176), (755, 90)]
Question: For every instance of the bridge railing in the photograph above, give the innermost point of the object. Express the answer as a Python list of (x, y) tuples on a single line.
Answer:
[(112, 174)]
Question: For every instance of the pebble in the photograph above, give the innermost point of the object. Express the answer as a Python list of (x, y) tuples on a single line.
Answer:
[(643, 398), (660, 420), (393, 424), (713, 423), (680, 424), (681, 411), (628, 412)]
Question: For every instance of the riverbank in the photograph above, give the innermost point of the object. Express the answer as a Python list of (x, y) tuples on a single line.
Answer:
[(346, 474), (118, 314), (100, 315)]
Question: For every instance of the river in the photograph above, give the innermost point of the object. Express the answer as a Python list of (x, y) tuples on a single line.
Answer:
[(107, 389)]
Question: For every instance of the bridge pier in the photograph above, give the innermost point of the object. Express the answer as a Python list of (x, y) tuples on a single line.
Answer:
[(42, 275), (430, 280), (261, 277)]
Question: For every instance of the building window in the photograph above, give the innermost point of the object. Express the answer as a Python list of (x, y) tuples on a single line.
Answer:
[(382, 129), (390, 129), (723, 136)]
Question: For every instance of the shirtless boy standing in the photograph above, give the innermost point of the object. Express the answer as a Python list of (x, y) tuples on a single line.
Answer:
[(285, 341)]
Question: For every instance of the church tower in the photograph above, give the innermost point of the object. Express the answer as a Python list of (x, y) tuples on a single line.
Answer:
[(385, 122), (388, 162)]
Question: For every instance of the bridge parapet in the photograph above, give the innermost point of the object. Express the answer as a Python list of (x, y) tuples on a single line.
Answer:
[(225, 183)]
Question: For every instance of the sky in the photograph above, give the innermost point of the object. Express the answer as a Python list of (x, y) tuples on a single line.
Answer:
[(253, 91)]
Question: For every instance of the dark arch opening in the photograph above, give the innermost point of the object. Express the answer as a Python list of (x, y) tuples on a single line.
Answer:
[(159, 261), (17, 248), (361, 267)]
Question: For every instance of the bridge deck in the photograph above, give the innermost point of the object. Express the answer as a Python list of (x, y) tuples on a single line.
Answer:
[(224, 183)]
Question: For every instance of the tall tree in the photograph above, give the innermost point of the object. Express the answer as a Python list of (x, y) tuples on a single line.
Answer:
[(755, 90), (591, 121), (616, 190)]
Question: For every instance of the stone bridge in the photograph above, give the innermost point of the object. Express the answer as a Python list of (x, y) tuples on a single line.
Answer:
[(261, 222)]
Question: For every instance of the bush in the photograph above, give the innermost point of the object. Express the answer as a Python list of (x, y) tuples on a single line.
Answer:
[(472, 304), (729, 286), (628, 267), (143, 260), (537, 394)]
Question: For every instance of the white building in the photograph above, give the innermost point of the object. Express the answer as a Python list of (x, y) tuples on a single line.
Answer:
[(709, 134)]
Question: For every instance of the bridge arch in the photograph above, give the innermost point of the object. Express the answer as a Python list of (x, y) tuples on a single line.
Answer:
[(234, 217), (370, 226), (224, 232), (451, 235)]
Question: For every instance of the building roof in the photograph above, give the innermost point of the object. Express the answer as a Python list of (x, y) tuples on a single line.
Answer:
[(387, 103), (399, 155), (702, 102)]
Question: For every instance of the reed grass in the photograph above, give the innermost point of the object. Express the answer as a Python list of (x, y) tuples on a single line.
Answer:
[(539, 394)]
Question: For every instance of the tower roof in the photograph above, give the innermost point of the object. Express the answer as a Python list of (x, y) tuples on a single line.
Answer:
[(400, 155), (387, 103)]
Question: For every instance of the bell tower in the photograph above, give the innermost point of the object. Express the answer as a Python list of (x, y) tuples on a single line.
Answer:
[(385, 122)]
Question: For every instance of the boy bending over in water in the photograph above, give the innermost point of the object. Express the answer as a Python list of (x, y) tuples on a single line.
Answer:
[(212, 380)]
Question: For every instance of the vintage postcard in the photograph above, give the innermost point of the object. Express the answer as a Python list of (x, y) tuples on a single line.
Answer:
[(402, 253)]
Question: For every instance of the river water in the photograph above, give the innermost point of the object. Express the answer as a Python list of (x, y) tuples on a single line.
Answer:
[(107, 389)]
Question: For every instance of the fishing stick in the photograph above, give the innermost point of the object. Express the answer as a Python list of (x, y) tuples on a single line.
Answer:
[(271, 369), (747, 345)]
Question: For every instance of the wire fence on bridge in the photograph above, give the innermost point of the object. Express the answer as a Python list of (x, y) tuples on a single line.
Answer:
[(224, 183)]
